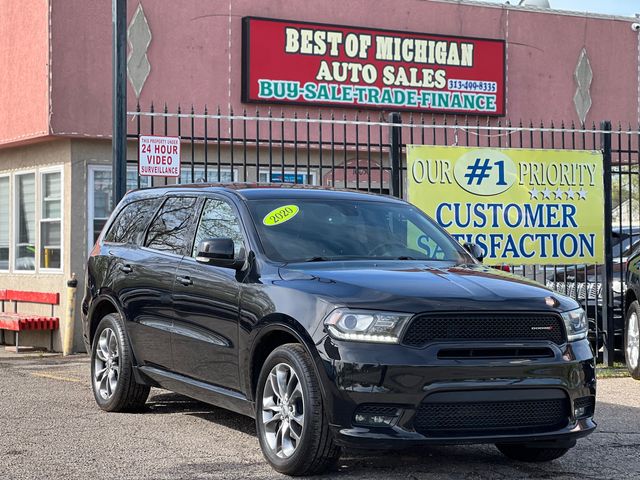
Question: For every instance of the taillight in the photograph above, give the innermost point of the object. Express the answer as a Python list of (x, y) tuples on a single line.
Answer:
[(95, 250), (504, 268)]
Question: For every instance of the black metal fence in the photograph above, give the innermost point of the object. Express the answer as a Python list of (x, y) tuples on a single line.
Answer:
[(367, 152)]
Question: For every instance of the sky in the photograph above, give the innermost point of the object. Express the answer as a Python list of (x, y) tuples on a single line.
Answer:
[(627, 8)]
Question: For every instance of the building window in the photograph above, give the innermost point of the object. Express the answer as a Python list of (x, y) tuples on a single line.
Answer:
[(25, 222), (100, 194), (212, 174), (51, 220), (4, 223), (289, 177)]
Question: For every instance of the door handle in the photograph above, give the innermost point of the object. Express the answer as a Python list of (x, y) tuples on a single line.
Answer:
[(186, 281), (126, 268)]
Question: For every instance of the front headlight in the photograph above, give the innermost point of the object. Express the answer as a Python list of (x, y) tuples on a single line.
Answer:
[(366, 326), (576, 324)]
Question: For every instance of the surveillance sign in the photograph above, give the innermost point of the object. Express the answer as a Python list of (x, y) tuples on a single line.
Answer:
[(521, 206), (159, 156)]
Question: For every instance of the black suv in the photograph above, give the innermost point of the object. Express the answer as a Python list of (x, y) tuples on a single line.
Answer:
[(335, 319)]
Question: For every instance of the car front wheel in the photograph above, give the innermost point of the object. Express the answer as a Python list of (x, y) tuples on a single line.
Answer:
[(293, 431), (632, 339)]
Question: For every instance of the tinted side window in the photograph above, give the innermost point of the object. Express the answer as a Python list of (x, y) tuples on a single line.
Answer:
[(218, 220), (169, 231), (131, 221)]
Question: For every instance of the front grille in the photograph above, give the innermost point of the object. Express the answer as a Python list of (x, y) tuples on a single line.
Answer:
[(491, 353), (511, 327), (482, 418)]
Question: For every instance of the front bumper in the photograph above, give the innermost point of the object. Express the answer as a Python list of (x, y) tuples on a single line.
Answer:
[(359, 374)]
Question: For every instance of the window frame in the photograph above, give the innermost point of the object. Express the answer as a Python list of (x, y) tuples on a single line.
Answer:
[(236, 211), (15, 220), (9, 221), (142, 233), (40, 219), (192, 227), (91, 171), (210, 169)]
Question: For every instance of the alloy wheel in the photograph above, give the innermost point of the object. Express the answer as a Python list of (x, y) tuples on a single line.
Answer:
[(633, 341), (283, 410), (106, 366)]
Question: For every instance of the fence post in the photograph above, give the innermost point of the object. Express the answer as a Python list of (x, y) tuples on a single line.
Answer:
[(607, 291), (395, 152), (119, 139)]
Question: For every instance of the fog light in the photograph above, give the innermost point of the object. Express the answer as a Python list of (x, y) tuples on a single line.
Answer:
[(584, 407), (374, 420), (376, 416)]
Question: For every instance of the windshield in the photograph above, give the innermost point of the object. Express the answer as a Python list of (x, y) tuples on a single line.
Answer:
[(299, 230)]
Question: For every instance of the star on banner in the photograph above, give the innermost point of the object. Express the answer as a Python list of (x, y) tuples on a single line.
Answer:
[(558, 193), (546, 193), (582, 194), (534, 193), (570, 194)]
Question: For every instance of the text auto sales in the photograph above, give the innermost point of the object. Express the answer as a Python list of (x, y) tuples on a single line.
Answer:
[(403, 86)]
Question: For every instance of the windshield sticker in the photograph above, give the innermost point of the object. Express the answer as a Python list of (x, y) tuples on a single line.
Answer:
[(280, 215)]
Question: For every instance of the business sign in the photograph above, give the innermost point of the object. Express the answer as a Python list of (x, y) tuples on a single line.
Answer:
[(520, 206), (159, 156), (341, 66)]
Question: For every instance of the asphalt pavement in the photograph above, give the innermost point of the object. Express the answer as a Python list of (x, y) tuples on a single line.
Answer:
[(51, 428)]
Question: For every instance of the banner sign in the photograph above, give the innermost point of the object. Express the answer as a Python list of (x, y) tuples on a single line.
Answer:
[(159, 156), (340, 66), (520, 206)]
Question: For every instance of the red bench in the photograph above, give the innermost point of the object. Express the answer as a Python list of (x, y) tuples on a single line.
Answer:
[(18, 322)]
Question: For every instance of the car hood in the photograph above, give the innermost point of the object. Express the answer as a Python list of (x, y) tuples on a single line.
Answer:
[(414, 286)]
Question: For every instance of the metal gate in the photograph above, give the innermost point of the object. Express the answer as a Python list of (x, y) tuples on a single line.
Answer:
[(367, 152)]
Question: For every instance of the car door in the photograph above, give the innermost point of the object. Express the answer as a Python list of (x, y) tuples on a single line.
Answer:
[(206, 301), (150, 277)]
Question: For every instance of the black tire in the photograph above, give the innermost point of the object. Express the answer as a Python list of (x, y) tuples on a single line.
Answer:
[(315, 451), (630, 343), (525, 453), (127, 395)]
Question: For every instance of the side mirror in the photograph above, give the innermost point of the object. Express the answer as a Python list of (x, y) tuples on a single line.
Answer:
[(218, 252), (474, 250)]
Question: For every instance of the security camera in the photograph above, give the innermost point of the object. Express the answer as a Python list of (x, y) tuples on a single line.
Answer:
[(635, 27)]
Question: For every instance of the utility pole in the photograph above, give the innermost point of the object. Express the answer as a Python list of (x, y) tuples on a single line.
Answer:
[(119, 139)]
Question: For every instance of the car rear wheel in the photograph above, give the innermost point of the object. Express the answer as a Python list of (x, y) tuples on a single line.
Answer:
[(632, 340), (292, 428), (112, 380), (526, 453)]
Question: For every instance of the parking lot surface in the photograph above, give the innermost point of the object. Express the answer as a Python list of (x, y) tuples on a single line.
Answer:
[(50, 427)]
